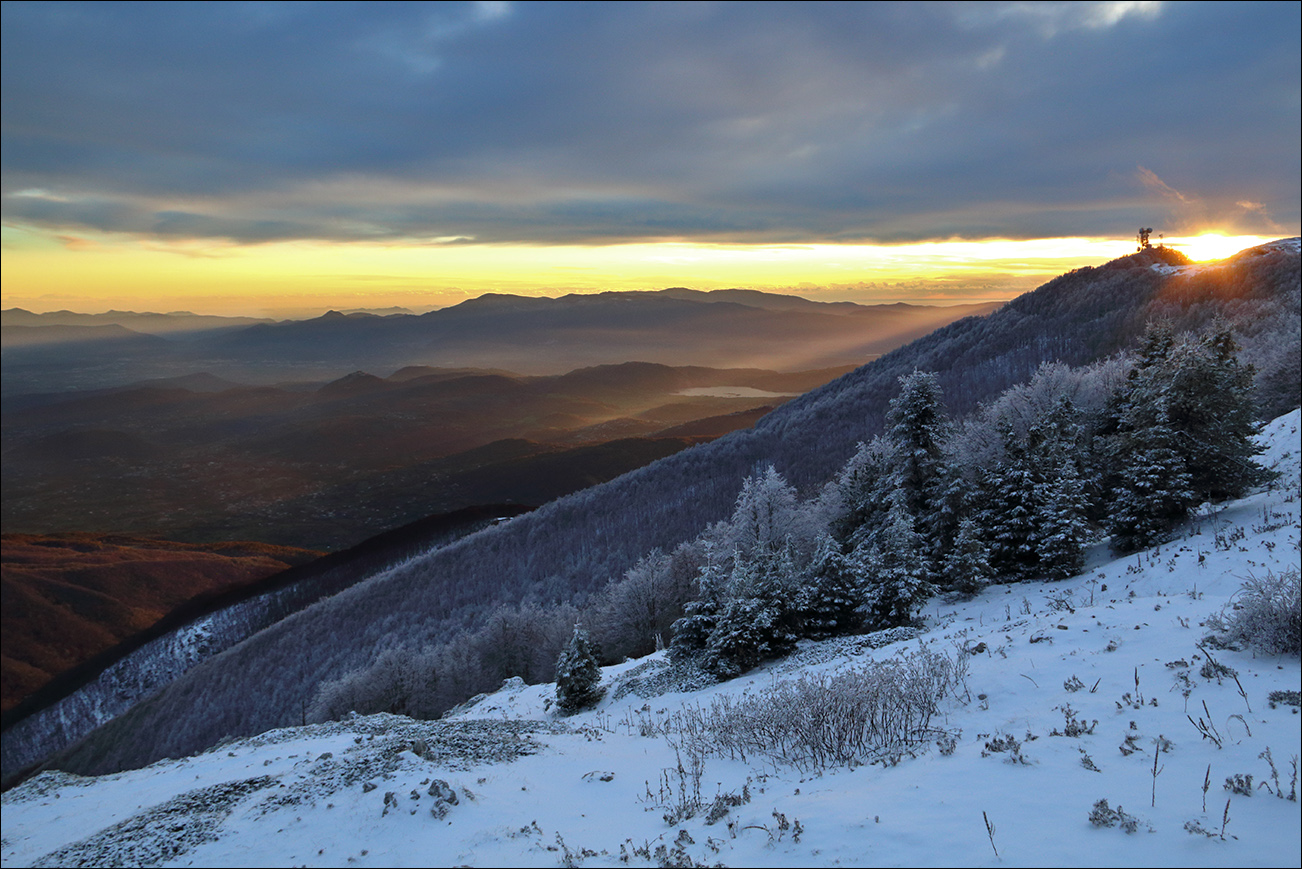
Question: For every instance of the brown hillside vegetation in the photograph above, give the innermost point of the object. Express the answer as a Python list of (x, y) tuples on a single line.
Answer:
[(328, 466), (67, 597)]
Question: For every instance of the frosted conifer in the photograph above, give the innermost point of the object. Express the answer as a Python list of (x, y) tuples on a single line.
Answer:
[(966, 568), (831, 600), (578, 677)]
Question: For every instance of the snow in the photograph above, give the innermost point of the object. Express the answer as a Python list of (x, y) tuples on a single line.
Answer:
[(538, 790)]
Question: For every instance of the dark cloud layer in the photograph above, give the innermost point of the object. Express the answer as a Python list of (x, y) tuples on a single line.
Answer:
[(609, 122)]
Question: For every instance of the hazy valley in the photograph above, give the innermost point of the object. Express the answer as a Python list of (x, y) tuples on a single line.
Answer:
[(323, 465)]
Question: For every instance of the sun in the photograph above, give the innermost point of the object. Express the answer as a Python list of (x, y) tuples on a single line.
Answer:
[(1213, 245)]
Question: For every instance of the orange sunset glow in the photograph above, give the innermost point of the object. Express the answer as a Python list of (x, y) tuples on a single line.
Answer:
[(91, 273)]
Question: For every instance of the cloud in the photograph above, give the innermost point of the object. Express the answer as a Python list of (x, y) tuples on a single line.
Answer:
[(561, 123)]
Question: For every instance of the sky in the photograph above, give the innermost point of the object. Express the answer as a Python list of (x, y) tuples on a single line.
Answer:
[(278, 158)]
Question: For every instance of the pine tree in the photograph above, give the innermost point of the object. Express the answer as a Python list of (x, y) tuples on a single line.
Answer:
[(831, 600), (1214, 413), (1060, 529), (1156, 496), (690, 634), (966, 568), (894, 569), (1205, 395), (1008, 512), (1183, 432), (917, 433), (746, 632), (747, 610), (864, 485), (1058, 499), (578, 677)]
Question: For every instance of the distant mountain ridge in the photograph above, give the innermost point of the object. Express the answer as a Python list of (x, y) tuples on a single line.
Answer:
[(148, 322), (531, 335)]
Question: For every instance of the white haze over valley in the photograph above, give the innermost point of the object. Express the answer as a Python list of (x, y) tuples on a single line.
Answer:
[(1072, 690)]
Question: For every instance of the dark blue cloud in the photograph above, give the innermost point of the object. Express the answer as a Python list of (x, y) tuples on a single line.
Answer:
[(604, 122)]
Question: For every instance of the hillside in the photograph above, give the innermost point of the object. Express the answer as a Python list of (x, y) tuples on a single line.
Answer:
[(198, 458), (69, 597), (1057, 696), (574, 546)]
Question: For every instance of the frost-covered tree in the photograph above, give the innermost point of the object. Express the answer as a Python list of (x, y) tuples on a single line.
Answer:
[(747, 631), (768, 518), (1058, 499), (747, 608), (1206, 397), (1182, 432), (691, 633), (1008, 511), (863, 487), (966, 567), (830, 602), (578, 678), (894, 569), (1153, 494), (918, 429), (632, 616)]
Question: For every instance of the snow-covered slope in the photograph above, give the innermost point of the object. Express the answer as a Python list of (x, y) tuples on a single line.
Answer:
[(506, 782)]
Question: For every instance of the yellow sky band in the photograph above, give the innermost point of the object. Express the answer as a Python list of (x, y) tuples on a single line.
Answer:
[(88, 272)]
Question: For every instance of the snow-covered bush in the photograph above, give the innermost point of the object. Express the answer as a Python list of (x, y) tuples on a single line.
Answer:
[(879, 711), (1103, 815), (1265, 615)]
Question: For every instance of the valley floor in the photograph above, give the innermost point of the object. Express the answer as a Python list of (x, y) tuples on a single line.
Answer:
[(505, 782)]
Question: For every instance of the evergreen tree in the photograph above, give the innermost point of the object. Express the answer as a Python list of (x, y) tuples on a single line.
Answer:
[(746, 632), (691, 633), (747, 610), (864, 484), (966, 567), (830, 602), (1212, 409), (578, 677), (894, 569), (1183, 430), (1008, 512), (917, 433), (1156, 495), (1060, 529), (1205, 395), (1058, 499)]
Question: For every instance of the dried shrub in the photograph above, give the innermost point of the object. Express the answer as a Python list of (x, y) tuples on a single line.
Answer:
[(877, 712), (1265, 615)]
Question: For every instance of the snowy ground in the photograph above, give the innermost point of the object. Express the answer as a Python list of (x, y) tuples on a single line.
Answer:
[(506, 783)]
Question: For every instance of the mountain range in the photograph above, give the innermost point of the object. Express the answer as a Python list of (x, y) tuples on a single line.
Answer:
[(529, 335)]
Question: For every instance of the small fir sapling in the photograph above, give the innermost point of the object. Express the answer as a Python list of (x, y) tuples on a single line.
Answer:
[(578, 677)]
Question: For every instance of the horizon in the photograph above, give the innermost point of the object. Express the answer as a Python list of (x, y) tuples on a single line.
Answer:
[(263, 160), (926, 292)]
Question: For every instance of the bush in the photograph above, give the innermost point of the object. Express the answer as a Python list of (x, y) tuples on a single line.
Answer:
[(1265, 615), (877, 712)]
